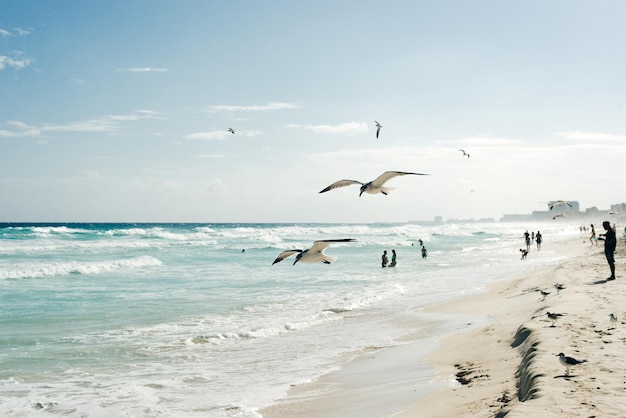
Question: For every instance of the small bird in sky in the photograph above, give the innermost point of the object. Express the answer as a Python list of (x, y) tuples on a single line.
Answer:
[(559, 215), (553, 317), (313, 254), (374, 186), (568, 362), (378, 126), (556, 203), (231, 130), (464, 153)]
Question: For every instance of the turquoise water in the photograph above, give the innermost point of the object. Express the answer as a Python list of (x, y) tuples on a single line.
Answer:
[(194, 320)]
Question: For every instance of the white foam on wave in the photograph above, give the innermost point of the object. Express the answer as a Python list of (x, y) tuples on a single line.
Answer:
[(33, 270)]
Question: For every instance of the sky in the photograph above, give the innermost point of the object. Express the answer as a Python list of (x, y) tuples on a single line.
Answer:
[(118, 110)]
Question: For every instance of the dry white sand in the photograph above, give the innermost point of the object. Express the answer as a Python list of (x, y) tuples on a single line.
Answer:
[(506, 367)]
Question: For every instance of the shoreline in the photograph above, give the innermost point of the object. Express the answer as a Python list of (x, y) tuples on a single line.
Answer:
[(503, 363)]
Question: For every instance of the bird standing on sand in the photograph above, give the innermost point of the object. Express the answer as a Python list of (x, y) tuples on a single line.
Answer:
[(613, 320), (559, 287), (553, 317), (313, 254), (231, 130), (375, 186), (464, 153), (378, 126), (568, 362)]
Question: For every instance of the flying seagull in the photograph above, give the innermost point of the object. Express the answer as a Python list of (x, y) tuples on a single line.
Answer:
[(464, 153), (378, 126), (313, 254), (559, 215), (231, 130), (374, 186), (568, 362), (555, 203)]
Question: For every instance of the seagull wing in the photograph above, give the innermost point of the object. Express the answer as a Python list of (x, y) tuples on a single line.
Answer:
[(322, 244), (388, 175), (284, 255), (340, 183), (378, 126)]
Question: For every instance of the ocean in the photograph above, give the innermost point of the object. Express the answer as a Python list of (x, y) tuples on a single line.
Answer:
[(193, 320)]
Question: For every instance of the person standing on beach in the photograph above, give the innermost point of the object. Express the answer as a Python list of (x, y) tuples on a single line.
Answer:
[(610, 243), (393, 258), (539, 239), (385, 260), (592, 237), (527, 238)]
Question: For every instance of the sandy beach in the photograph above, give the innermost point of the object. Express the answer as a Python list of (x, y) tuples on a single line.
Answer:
[(503, 363)]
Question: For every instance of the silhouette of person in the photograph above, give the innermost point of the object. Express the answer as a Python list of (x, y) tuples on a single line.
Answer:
[(610, 243), (385, 260), (592, 237), (527, 239), (539, 240), (393, 258)]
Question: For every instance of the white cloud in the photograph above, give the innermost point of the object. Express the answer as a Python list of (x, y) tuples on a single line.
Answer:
[(109, 123), (21, 130), (143, 70), (93, 125), (259, 108), (591, 136), (488, 141), (210, 135), (22, 32), (349, 128), (5, 32), (17, 63), (221, 134)]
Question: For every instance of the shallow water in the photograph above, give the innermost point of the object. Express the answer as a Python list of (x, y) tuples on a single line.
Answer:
[(178, 320)]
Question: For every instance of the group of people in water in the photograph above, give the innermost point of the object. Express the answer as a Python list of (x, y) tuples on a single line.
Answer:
[(530, 237), (385, 259)]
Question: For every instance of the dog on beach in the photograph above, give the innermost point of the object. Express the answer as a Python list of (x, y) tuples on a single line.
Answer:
[(524, 253)]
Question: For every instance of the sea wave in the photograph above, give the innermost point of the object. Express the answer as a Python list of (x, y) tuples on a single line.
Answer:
[(34, 270)]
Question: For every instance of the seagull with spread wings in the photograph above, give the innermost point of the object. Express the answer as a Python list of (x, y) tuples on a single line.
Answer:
[(231, 130), (372, 187), (313, 254), (378, 126), (464, 153), (554, 203)]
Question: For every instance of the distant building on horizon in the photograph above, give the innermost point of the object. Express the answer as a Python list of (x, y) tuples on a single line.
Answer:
[(572, 212)]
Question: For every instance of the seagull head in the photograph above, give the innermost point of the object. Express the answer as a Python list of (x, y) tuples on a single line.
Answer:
[(298, 257), (363, 187)]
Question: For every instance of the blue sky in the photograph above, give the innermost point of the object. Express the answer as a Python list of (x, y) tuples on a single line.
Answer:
[(119, 110)]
